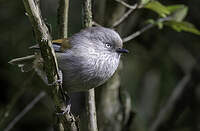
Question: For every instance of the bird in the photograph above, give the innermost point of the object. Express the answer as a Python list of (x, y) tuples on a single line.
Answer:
[(86, 60)]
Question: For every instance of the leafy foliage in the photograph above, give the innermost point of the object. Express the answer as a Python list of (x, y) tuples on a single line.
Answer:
[(178, 12), (143, 2), (175, 14), (157, 7), (182, 26)]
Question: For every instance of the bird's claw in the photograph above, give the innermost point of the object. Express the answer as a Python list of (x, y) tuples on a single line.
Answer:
[(57, 82), (66, 110)]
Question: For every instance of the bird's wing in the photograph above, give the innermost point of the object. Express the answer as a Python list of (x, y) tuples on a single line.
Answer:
[(59, 45), (63, 43)]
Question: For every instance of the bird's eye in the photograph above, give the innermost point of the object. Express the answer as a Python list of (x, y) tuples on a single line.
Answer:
[(108, 45)]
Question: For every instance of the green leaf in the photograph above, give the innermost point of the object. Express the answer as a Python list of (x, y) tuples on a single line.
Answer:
[(153, 22), (150, 21), (157, 7), (173, 8), (182, 26), (143, 2), (178, 12), (160, 25)]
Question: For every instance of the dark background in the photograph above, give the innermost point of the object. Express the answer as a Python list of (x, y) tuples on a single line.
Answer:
[(157, 62)]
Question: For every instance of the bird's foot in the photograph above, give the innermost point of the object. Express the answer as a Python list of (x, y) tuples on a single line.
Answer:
[(57, 82), (67, 100), (66, 110)]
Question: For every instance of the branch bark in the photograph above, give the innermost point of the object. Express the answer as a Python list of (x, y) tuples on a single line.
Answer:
[(63, 18), (179, 100), (91, 110), (50, 62), (113, 106), (90, 95)]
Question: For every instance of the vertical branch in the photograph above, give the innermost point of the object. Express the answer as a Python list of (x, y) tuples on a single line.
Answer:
[(114, 106), (63, 18), (50, 62), (87, 9), (91, 110), (90, 95), (63, 33)]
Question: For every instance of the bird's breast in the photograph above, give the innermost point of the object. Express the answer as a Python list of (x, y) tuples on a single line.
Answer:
[(82, 72), (103, 66)]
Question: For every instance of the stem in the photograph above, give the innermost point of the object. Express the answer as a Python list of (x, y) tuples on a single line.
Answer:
[(127, 5), (63, 18), (118, 22), (131, 9), (137, 33), (90, 95), (5, 117), (178, 102), (91, 110), (169, 111), (50, 62), (87, 8), (147, 27), (26, 109)]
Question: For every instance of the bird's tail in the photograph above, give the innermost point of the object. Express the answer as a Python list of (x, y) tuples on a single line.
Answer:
[(25, 63)]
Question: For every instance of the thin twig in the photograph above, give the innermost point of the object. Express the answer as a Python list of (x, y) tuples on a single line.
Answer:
[(131, 9), (50, 63), (118, 22), (178, 101), (10, 106), (178, 91), (137, 33), (63, 33), (127, 5), (90, 95), (145, 28), (63, 18), (95, 23), (25, 110)]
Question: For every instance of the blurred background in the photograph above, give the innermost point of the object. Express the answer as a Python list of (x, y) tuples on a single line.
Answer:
[(160, 74)]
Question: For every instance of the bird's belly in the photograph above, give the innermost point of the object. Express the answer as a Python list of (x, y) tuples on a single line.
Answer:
[(81, 81), (81, 74)]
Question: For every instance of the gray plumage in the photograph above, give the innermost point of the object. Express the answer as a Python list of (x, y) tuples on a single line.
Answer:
[(92, 59)]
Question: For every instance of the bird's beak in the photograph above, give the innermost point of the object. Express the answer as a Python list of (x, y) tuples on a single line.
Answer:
[(122, 50)]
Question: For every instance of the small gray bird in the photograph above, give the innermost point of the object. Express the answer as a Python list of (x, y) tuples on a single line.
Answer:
[(86, 60)]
